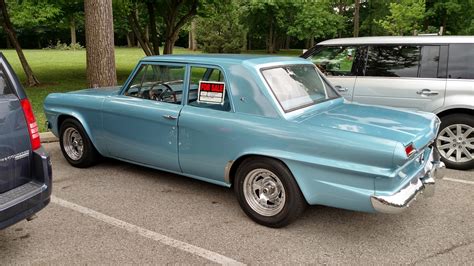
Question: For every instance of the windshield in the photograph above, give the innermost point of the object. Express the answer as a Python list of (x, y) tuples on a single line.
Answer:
[(297, 86)]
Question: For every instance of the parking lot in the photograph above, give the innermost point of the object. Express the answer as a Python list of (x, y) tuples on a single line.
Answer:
[(121, 213)]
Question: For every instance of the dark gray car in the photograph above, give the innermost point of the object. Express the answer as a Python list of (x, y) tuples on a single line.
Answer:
[(25, 167)]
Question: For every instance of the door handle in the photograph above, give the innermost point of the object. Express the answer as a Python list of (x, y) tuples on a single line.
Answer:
[(170, 117), (340, 88), (427, 92)]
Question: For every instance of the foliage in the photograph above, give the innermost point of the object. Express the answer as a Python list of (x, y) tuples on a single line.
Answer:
[(220, 31), (405, 17), (64, 46), (31, 14), (317, 20)]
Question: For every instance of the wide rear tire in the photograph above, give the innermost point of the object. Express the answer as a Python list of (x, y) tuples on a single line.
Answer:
[(267, 192)]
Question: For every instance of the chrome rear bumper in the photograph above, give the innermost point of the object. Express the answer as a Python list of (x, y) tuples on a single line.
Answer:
[(420, 184)]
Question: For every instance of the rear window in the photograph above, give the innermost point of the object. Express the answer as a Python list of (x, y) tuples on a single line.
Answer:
[(461, 61), (4, 87), (297, 86)]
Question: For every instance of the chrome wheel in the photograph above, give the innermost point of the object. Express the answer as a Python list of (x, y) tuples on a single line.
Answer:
[(264, 192), (73, 144), (456, 143)]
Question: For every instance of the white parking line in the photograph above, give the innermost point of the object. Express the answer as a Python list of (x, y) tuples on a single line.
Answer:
[(204, 253), (459, 180)]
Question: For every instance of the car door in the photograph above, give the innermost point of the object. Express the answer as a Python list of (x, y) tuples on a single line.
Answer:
[(205, 133), (15, 146), (140, 124), (340, 65), (404, 76)]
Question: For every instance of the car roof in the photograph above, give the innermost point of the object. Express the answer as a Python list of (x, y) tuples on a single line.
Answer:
[(227, 59), (400, 40)]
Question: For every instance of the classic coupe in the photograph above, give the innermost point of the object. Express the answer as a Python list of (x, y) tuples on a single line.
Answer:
[(273, 128)]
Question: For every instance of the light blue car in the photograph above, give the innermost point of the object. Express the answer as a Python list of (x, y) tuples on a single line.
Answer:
[(273, 128)]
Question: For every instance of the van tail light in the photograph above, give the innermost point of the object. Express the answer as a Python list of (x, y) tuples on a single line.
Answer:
[(32, 125), (410, 150)]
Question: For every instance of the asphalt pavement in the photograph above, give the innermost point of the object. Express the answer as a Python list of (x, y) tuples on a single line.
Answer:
[(117, 213)]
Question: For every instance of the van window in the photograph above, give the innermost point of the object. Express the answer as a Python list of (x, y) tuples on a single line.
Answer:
[(4, 87), (460, 62), (429, 62), (393, 61), (335, 60)]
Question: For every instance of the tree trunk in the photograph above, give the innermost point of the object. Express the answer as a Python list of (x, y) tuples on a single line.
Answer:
[(31, 79), (133, 21), (287, 42), (72, 27), (192, 36), (129, 41), (100, 43), (169, 43), (356, 18), (152, 23), (270, 44)]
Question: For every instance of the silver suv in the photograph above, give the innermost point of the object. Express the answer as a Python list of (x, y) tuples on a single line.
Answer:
[(427, 73)]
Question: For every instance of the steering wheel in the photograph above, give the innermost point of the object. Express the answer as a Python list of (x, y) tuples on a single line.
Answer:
[(167, 93)]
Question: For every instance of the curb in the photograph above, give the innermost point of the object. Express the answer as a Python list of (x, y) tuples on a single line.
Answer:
[(48, 137)]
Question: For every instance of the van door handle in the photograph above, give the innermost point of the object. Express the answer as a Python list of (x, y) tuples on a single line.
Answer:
[(427, 92), (170, 117), (339, 88)]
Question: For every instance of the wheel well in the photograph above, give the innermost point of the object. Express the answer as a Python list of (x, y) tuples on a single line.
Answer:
[(456, 111), (61, 119), (240, 160)]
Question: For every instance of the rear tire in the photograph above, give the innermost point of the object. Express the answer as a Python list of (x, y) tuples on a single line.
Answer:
[(268, 193), (455, 141), (76, 146)]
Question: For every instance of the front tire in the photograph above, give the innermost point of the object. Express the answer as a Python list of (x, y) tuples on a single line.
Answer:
[(268, 193), (76, 146), (455, 141)]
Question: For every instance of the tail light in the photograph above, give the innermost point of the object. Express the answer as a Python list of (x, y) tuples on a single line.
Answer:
[(409, 149), (32, 125)]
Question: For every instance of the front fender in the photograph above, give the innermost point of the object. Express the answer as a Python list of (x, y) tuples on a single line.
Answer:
[(86, 111)]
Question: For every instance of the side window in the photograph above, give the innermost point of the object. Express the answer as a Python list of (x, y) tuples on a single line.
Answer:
[(208, 75), (162, 83), (429, 62), (4, 87), (460, 62), (393, 61), (335, 60)]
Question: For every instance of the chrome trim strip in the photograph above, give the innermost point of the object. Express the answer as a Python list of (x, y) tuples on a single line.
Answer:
[(227, 168)]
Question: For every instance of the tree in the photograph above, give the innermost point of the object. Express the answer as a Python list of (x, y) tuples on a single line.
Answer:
[(100, 43), (175, 14), (269, 19), (221, 31), (405, 17), (7, 26), (356, 18), (315, 21)]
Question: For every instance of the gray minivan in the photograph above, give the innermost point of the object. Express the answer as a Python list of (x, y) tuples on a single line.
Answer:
[(25, 167), (427, 73)]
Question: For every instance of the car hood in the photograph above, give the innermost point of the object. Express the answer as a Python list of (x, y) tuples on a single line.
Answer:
[(104, 91), (405, 127)]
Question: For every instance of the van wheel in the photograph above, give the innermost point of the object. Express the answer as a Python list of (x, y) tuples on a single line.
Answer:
[(268, 193), (75, 145), (455, 141)]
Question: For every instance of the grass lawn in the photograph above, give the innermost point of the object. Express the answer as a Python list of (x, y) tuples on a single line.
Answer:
[(62, 71)]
